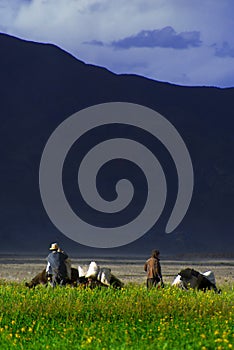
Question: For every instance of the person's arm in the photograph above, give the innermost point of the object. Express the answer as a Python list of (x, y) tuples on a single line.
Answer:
[(145, 267), (160, 272)]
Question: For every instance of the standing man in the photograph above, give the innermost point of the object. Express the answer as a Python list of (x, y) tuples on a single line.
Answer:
[(153, 268), (56, 267)]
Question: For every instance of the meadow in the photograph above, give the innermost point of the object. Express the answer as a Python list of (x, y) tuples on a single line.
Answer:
[(132, 318)]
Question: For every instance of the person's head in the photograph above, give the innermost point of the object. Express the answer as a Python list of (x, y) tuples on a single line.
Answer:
[(54, 246), (155, 253)]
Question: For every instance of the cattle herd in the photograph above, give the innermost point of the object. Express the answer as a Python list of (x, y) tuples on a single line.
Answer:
[(186, 279)]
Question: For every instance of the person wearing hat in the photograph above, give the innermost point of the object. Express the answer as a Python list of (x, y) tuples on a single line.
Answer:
[(56, 266), (153, 268)]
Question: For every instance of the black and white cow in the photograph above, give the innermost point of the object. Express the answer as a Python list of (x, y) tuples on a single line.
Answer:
[(190, 278)]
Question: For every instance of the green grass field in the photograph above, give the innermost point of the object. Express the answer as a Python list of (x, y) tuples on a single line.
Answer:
[(131, 318)]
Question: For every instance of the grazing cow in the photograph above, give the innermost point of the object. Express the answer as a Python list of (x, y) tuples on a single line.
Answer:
[(96, 276), (92, 282), (190, 278), (41, 278)]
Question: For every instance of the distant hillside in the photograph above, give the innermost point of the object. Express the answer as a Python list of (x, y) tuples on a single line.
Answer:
[(41, 85)]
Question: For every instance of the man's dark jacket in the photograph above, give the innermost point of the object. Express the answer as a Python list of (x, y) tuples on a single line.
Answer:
[(57, 263)]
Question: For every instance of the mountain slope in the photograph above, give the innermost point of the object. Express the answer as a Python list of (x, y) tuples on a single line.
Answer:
[(41, 86)]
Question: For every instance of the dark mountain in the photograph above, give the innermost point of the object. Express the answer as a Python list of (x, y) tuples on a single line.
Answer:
[(41, 86)]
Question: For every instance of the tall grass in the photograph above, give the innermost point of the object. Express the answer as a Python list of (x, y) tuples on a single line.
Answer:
[(131, 318)]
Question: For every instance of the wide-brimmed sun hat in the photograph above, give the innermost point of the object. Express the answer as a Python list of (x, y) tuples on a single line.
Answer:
[(54, 246)]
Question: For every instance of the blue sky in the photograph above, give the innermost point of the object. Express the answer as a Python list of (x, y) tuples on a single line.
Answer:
[(185, 42)]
